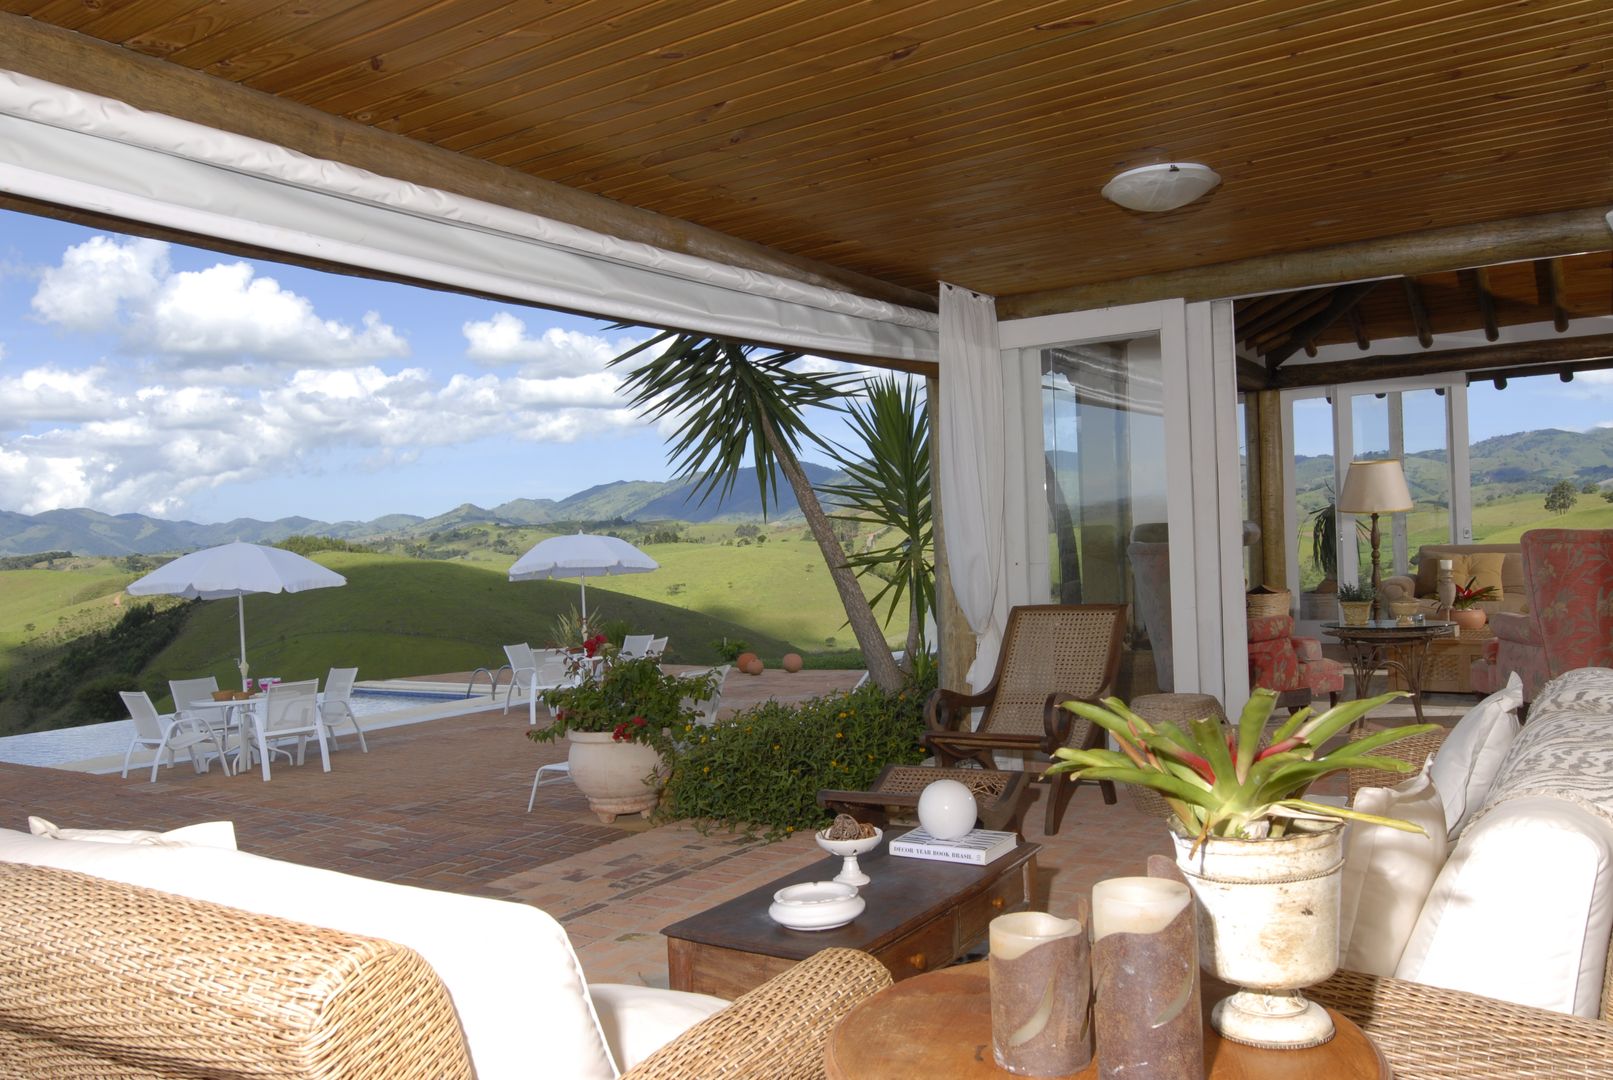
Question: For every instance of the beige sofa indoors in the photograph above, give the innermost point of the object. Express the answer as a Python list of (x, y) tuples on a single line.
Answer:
[(1468, 561)]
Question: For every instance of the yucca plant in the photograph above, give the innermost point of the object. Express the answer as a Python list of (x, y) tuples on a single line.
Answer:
[(1220, 781)]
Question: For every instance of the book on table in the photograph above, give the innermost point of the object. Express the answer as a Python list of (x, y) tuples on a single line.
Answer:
[(978, 846)]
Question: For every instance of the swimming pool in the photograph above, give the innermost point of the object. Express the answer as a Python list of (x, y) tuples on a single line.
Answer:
[(100, 747)]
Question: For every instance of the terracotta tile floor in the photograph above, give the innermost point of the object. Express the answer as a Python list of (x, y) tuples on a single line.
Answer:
[(443, 805)]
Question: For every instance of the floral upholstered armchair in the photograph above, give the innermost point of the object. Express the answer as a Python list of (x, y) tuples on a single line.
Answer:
[(1282, 662), (1569, 622)]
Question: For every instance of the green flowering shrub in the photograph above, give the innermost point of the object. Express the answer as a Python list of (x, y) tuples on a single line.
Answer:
[(762, 769)]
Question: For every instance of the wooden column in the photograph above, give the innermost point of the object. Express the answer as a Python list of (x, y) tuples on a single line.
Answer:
[(956, 640), (1268, 446)]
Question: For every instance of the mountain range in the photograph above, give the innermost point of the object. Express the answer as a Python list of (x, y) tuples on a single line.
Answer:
[(91, 532)]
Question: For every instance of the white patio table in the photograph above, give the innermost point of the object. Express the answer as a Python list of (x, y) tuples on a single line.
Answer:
[(233, 714)]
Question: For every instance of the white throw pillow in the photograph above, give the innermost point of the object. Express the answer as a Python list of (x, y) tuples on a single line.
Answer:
[(1522, 910), (1388, 873), (509, 968), (219, 834), (1470, 757)]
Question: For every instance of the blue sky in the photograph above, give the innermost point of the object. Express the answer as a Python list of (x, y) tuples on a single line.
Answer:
[(148, 377)]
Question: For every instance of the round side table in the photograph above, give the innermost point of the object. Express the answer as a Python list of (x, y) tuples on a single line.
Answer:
[(937, 1026)]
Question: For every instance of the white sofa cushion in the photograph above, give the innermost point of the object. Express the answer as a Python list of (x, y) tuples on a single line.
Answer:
[(1388, 873), (509, 968), (219, 834), (639, 1020), (1471, 755), (1522, 909)]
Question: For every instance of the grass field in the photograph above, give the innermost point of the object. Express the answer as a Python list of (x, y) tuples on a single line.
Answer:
[(40, 605)]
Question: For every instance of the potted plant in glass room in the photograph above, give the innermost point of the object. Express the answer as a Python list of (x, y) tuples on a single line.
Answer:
[(618, 717), (1263, 861), (1465, 610), (1355, 604)]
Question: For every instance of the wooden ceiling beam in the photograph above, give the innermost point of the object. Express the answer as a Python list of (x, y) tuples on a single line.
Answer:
[(1430, 251), (1480, 358), (1345, 299), (1536, 370), (1419, 311), (1252, 376), (1288, 304), (95, 67), (1316, 301), (1549, 288), (1477, 281), (1358, 327)]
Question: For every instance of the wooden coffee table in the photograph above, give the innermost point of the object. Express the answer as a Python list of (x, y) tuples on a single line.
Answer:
[(921, 915), (939, 1028)]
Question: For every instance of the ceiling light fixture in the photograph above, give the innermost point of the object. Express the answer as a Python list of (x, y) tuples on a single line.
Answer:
[(1156, 188)]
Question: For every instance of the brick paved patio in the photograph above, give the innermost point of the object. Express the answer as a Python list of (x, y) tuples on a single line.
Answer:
[(442, 805)]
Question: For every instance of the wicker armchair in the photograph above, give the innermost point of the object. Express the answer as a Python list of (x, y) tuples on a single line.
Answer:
[(99, 978), (1051, 653)]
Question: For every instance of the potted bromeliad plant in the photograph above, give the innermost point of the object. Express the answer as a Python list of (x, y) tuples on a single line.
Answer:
[(1263, 861), (618, 717), (1465, 610)]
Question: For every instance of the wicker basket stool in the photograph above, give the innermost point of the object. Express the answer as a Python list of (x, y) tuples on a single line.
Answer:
[(1177, 709)]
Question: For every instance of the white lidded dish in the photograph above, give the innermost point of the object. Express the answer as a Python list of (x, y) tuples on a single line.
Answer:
[(816, 905)]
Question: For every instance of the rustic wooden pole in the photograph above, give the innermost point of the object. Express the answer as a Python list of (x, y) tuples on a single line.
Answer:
[(1480, 358), (1345, 299), (956, 641), (1419, 311), (1432, 251), (1268, 444)]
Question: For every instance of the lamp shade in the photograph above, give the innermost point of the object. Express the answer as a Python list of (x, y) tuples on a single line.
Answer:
[(1156, 188), (1375, 487)]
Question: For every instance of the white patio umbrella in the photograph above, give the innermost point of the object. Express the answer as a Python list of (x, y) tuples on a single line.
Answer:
[(581, 556), (235, 570)]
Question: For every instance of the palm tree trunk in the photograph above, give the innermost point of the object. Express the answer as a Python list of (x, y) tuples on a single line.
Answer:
[(882, 667)]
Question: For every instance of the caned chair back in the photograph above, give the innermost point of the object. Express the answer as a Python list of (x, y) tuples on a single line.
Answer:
[(147, 724), (339, 684), (185, 691), (1052, 648), (290, 706)]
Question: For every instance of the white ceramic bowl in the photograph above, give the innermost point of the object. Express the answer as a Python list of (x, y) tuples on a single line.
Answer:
[(816, 905), (850, 847)]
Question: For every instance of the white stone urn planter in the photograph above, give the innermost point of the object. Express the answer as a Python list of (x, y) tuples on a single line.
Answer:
[(616, 777), (1268, 921)]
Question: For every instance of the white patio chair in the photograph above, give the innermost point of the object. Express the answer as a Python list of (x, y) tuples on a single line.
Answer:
[(561, 771), (185, 691), (290, 711), (706, 708), (522, 667), (164, 734), (539, 670), (657, 648), (337, 706), (635, 646)]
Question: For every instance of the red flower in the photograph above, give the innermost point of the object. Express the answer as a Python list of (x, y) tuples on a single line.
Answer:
[(591, 646), (620, 734), (638, 721)]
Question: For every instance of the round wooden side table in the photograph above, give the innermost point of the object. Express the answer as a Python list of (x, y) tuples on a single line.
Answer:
[(937, 1026)]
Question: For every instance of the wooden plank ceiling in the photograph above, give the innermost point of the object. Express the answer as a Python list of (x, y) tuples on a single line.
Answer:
[(962, 140)]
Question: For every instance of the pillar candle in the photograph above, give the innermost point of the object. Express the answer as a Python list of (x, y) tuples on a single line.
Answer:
[(1146, 1011), (1041, 992)]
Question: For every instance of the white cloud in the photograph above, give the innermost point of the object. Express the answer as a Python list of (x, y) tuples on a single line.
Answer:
[(503, 339), (227, 312), (52, 395), (98, 278)]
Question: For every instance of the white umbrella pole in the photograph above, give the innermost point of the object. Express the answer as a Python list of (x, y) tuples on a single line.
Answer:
[(584, 583), (240, 613)]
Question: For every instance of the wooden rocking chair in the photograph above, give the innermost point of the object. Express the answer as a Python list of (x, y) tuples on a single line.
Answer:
[(1051, 653)]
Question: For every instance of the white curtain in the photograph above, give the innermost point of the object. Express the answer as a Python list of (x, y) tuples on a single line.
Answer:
[(74, 149), (975, 456)]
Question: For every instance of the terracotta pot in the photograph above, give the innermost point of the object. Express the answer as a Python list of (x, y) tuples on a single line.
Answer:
[(753, 666), (616, 777), (1469, 618), (1268, 921), (742, 661), (791, 662)]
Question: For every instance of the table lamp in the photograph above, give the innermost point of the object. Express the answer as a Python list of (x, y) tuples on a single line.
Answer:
[(1374, 487)]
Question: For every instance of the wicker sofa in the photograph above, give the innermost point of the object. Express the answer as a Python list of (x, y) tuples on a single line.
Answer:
[(102, 974)]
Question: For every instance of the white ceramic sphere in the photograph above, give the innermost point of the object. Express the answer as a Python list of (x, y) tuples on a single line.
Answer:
[(947, 809)]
